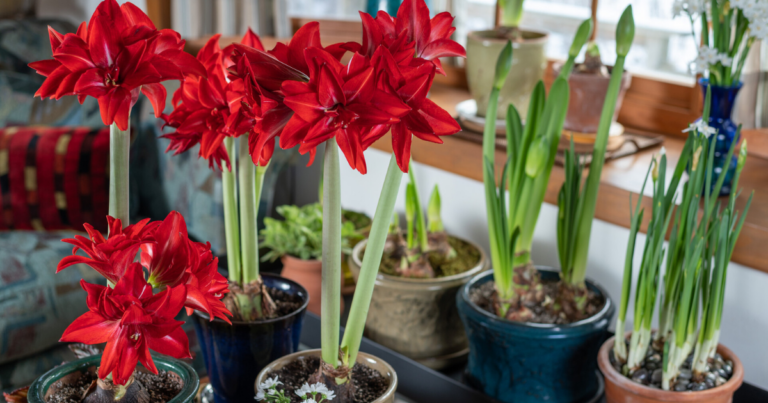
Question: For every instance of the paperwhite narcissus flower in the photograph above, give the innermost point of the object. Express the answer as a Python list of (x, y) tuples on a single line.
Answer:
[(269, 383), (693, 7), (310, 400), (701, 127), (260, 395)]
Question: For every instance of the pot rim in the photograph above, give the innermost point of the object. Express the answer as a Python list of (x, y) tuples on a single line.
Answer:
[(600, 315), (705, 81), (390, 391), (298, 311), (556, 66), (358, 249), (38, 389), (610, 373), (477, 35)]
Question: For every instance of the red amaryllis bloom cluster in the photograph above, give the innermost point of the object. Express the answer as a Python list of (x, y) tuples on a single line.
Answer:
[(130, 317), (118, 54), (206, 109), (302, 93)]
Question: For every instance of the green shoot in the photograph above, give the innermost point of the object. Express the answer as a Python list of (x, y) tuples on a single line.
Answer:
[(410, 211), (511, 12), (435, 222), (421, 224), (582, 35)]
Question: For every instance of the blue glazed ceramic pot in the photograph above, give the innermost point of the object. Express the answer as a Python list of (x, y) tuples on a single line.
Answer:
[(234, 354), (188, 376), (530, 362), (720, 110)]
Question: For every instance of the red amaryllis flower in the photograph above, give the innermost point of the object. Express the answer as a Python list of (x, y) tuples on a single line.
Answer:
[(205, 286), (131, 320), (425, 119), (411, 34), (170, 254), (261, 75), (338, 102), (116, 55), (205, 109), (109, 256)]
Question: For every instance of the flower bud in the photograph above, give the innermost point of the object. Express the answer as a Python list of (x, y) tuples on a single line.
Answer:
[(696, 158), (625, 32), (581, 37), (538, 156), (503, 64)]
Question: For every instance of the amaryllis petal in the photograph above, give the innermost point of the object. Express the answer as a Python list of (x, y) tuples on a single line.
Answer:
[(175, 344), (89, 328), (74, 54), (443, 48), (115, 107), (134, 16), (52, 83), (306, 106), (442, 122), (401, 145), (252, 40), (103, 33), (156, 94), (329, 90), (91, 82), (45, 67), (413, 18)]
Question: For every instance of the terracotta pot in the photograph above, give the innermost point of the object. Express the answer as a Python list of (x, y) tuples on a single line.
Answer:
[(528, 65), (418, 317), (620, 389), (362, 358), (309, 274), (587, 98)]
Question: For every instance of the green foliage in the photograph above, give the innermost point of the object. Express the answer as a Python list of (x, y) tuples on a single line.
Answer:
[(511, 12), (299, 234), (435, 223)]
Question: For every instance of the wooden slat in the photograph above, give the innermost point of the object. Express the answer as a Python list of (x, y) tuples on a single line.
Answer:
[(159, 11)]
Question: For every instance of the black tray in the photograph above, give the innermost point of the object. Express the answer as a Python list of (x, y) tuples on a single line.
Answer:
[(420, 384)]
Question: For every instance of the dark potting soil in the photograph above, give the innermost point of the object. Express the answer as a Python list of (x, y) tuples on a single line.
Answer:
[(285, 303), (369, 383), (161, 387), (544, 312), (719, 371), (467, 257)]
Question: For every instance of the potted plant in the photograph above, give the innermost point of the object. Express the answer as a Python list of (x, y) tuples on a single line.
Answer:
[(217, 111), (297, 241), (542, 326), (413, 308), (527, 68), (589, 84), (728, 31), (115, 56), (382, 88), (682, 360)]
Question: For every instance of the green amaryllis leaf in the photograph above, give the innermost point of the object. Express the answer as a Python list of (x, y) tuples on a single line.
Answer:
[(503, 64), (625, 32), (593, 49), (581, 37), (410, 211), (433, 211), (538, 156)]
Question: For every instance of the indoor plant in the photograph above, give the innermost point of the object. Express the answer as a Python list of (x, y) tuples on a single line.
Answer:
[(528, 64), (131, 318), (382, 88), (413, 309), (544, 332), (589, 84), (683, 355), (297, 241), (213, 111), (728, 30)]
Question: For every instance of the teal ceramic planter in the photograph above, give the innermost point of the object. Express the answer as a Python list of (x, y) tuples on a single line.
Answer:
[(530, 362), (186, 373)]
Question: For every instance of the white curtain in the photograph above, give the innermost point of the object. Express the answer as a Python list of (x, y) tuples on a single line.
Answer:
[(75, 11), (199, 18)]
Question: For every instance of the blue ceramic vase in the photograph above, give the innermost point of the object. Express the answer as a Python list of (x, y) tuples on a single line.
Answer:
[(234, 354), (530, 362), (720, 110), (189, 378)]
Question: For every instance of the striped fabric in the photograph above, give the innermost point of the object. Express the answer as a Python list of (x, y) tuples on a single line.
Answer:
[(53, 178)]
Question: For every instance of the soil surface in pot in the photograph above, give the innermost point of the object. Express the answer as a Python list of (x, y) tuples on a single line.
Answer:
[(285, 303), (369, 383), (161, 387), (486, 298), (649, 374), (467, 257)]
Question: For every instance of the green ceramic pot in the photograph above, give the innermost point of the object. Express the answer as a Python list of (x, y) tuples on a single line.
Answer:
[(528, 65), (188, 376)]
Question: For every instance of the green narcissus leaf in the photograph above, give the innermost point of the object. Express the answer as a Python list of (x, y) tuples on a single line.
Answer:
[(538, 156), (433, 211)]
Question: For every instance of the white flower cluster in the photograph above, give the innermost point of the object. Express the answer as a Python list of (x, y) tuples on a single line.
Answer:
[(756, 11), (310, 393), (267, 391), (692, 7), (710, 56), (701, 127)]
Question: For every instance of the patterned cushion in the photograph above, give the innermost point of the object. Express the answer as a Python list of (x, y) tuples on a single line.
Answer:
[(53, 178)]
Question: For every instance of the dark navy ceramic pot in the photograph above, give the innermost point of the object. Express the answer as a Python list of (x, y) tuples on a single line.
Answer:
[(720, 111), (234, 354), (530, 362)]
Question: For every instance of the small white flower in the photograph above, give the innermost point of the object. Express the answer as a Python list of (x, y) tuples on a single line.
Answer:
[(739, 3), (329, 395), (759, 31), (725, 60), (320, 388), (310, 400), (270, 383), (663, 151), (303, 390), (701, 127), (693, 7), (260, 395)]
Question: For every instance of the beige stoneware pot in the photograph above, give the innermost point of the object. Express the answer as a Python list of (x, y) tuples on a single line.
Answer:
[(362, 358), (418, 317), (528, 65)]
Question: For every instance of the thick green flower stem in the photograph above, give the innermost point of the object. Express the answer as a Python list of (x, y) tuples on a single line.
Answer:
[(353, 334), (249, 207), (231, 227), (330, 320), (119, 154)]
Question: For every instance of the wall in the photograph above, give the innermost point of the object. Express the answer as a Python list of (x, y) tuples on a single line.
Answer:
[(745, 322)]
